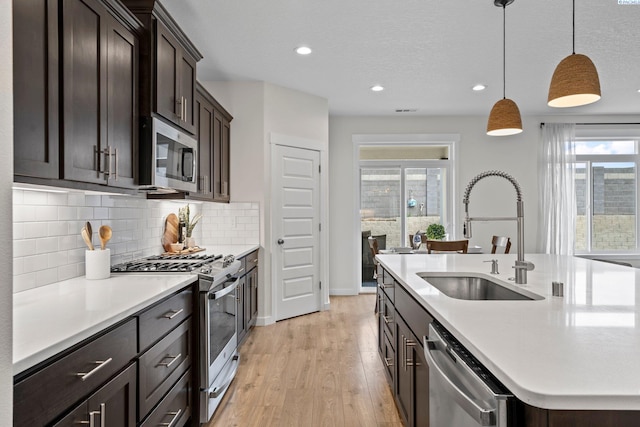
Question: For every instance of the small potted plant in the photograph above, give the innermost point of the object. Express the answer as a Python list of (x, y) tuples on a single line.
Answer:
[(189, 223), (435, 232)]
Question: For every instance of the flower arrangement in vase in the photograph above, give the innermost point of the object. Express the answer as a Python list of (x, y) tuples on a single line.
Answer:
[(184, 215)]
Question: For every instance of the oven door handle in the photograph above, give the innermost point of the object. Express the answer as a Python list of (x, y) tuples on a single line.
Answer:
[(225, 291), (216, 391), (484, 416)]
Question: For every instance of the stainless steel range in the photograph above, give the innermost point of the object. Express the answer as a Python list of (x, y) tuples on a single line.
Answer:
[(217, 308)]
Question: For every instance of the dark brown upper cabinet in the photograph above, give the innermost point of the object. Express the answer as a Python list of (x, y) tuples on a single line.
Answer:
[(76, 111), (35, 88), (214, 133), (168, 67)]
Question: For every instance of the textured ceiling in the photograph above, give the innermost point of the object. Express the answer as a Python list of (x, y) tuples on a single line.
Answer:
[(427, 54)]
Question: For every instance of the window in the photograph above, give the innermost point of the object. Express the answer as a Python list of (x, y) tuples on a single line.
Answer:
[(606, 194)]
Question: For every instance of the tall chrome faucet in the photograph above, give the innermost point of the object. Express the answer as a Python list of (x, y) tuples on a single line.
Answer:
[(521, 265)]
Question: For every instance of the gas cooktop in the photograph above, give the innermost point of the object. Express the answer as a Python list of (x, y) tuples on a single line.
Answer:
[(178, 263)]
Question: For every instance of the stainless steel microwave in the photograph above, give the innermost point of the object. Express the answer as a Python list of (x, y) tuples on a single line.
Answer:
[(168, 158)]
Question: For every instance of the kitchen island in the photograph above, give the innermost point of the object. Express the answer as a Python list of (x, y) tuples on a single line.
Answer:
[(576, 352)]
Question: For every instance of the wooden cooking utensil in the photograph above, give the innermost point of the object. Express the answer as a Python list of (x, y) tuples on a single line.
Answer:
[(170, 234), (86, 238), (87, 226), (105, 234)]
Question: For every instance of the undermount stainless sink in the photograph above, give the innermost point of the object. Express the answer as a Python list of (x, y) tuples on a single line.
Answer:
[(475, 288)]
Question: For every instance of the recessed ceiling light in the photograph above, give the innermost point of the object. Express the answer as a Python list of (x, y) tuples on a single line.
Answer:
[(303, 50), (377, 88), (479, 87)]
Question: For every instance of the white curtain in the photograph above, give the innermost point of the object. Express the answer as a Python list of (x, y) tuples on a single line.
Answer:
[(556, 174)]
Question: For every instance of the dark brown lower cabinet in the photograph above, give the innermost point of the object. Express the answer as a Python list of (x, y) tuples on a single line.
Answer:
[(113, 405), (536, 417), (412, 377)]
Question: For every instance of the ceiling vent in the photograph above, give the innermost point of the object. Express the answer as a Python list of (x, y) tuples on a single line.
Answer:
[(406, 110)]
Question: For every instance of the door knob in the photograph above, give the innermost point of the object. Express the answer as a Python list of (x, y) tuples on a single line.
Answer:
[(280, 241)]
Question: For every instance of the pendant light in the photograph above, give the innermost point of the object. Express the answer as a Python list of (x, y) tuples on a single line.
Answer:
[(575, 81), (504, 118)]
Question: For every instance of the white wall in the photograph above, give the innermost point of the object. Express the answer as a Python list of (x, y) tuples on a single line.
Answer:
[(477, 152), (260, 109), (6, 178)]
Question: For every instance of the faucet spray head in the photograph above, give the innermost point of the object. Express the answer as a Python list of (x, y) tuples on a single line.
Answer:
[(466, 228)]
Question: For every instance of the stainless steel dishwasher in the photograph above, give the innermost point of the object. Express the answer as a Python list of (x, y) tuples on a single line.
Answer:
[(462, 393)]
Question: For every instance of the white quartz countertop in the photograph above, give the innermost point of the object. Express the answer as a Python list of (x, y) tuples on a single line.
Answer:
[(49, 319), (580, 351)]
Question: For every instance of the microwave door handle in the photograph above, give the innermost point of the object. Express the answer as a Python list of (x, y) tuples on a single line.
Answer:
[(486, 417), (185, 152)]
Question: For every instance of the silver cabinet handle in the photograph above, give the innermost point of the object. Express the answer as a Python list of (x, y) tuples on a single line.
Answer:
[(179, 113), (173, 360), (172, 313), (92, 420), (175, 414), (103, 414), (115, 168), (101, 364), (408, 343), (184, 102), (404, 352)]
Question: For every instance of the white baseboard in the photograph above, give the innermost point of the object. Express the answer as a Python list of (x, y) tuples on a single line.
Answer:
[(265, 321)]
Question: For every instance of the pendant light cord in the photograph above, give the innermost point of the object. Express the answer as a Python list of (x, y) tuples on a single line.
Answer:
[(504, 50), (573, 27)]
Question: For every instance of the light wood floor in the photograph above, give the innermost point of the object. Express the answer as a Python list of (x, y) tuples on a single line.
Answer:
[(321, 369)]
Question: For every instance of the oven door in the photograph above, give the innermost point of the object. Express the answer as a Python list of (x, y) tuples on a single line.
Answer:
[(219, 341)]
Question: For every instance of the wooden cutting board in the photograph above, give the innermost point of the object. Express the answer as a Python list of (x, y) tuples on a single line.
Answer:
[(170, 234)]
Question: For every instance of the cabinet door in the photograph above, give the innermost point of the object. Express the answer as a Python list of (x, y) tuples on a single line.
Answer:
[(113, 405), (240, 313), (252, 305), (122, 90), (35, 88), (205, 139), (225, 160), (421, 387), (187, 90), (84, 83), (221, 149), (167, 102), (403, 371)]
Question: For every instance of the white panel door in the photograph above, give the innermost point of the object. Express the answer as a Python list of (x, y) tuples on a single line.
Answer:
[(296, 222)]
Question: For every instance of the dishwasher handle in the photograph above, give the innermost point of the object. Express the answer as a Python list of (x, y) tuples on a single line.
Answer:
[(485, 417)]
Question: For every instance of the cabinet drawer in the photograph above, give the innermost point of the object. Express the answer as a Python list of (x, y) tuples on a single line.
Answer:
[(388, 318), (163, 317), (388, 359), (251, 261), (388, 285), (53, 389), (175, 409), (115, 401), (162, 365), (416, 317)]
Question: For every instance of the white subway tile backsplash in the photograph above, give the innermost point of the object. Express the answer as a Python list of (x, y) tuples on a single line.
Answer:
[(47, 246)]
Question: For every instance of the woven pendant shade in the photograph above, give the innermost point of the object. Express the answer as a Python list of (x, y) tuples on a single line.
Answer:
[(575, 82), (504, 119)]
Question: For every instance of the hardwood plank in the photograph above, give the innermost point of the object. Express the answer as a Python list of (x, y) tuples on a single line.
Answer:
[(321, 369)]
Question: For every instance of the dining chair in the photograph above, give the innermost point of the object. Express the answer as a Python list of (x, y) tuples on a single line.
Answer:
[(373, 245), (500, 242), (459, 246)]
